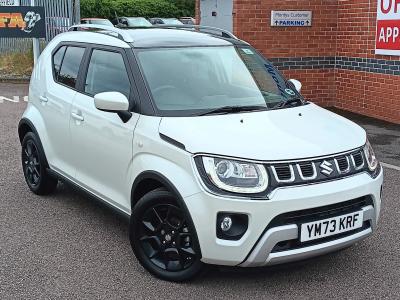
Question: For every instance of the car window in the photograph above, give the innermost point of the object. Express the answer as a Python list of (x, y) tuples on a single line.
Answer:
[(196, 79), (57, 60), (70, 66), (107, 73)]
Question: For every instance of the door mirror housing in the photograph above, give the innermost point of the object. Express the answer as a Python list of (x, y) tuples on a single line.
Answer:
[(113, 102), (297, 84)]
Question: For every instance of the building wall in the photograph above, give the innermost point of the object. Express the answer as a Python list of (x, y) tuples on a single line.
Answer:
[(372, 85), (334, 58)]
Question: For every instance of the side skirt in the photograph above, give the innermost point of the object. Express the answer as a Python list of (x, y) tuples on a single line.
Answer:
[(87, 193)]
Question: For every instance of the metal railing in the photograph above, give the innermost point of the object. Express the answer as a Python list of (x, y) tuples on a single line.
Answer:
[(60, 15), (122, 34)]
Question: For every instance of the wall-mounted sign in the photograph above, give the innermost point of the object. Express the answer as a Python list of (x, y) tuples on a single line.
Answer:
[(9, 2), (388, 28), (291, 18), (22, 22)]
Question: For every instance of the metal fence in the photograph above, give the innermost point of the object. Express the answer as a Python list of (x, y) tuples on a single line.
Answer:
[(60, 15)]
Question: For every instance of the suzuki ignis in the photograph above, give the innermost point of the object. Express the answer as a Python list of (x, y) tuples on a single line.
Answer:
[(211, 152)]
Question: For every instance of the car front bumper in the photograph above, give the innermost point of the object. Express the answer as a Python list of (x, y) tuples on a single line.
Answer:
[(256, 246)]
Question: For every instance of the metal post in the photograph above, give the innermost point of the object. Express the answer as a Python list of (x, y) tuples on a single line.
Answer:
[(35, 43)]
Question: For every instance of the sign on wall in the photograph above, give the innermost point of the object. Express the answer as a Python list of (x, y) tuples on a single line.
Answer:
[(291, 18), (9, 2), (22, 22), (388, 28)]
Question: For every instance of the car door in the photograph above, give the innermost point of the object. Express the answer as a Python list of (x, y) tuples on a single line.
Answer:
[(56, 103), (101, 141)]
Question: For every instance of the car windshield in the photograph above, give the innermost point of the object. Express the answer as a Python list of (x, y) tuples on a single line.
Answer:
[(190, 81), (101, 22), (138, 22), (172, 22)]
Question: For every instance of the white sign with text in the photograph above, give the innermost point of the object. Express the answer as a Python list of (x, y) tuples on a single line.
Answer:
[(291, 18), (387, 40)]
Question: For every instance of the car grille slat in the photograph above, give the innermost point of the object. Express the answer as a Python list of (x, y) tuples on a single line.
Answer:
[(342, 164), (358, 160), (316, 170), (283, 173)]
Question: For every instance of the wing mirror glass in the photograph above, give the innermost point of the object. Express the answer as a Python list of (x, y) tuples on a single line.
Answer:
[(113, 102), (297, 84)]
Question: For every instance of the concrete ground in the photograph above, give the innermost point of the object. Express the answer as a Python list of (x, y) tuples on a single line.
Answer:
[(68, 246)]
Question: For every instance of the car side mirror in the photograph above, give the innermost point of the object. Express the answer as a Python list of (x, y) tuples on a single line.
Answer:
[(297, 84), (114, 102)]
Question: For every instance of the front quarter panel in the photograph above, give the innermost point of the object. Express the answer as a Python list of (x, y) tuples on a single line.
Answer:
[(152, 154)]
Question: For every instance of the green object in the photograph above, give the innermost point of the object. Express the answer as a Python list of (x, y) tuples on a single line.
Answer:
[(137, 8)]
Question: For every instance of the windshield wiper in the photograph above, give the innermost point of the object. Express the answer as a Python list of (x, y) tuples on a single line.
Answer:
[(233, 109), (289, 102)]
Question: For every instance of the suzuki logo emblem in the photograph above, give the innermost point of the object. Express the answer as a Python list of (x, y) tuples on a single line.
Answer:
[(326, 168)]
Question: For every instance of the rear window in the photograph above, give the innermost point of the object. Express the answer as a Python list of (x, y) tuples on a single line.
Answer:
[(68, 73), (57, 60)]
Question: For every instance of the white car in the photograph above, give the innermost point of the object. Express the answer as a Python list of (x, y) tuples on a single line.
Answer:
[(216, 158)]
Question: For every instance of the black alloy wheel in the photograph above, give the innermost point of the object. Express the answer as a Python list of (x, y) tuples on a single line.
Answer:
[(162, 238), (31, 163), (34, 165)]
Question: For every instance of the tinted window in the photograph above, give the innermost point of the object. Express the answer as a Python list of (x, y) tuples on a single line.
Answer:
[(57, 60), (70, 66), (107, 73)]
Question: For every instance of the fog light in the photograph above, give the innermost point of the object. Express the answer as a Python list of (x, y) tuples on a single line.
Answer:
[(226, 224), (231, 226)]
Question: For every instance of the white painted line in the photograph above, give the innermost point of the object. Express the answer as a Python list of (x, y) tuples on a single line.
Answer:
[(389, 166)]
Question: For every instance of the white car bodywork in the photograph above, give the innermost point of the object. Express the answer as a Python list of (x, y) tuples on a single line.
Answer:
[(104, 156)]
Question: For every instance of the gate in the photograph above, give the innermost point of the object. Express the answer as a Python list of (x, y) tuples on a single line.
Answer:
[(60, 15)]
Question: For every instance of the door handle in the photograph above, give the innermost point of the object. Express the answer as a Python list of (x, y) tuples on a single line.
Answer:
[(43, 99), (77, 117)]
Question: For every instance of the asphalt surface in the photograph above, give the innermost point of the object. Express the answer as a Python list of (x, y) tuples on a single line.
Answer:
[(69, 246)]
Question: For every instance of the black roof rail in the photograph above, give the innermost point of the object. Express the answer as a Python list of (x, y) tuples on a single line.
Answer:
[(209, 29), (122, 34), (113, 31)]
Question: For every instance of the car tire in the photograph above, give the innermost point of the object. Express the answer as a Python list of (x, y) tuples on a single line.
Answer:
[(34, 166), (162, 238)]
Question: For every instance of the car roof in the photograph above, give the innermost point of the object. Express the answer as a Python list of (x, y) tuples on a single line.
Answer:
[(153, 37), (163, 37)]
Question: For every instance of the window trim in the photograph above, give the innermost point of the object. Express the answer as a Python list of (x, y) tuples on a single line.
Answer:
[(68, 44), (134, 98)]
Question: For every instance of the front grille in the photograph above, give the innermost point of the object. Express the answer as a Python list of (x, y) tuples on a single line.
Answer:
[(283, 173), (358, 160), (315, 170), (315, 214), (307, 170), (343, 164)]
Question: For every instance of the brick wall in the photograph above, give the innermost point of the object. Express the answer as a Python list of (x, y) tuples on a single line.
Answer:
[(374, 88), (334, 58)]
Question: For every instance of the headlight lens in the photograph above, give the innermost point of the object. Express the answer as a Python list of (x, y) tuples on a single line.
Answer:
[(236, 176), (372, 161)]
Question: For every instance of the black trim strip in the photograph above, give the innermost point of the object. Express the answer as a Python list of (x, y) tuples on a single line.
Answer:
[(371, 65), (172, 141)]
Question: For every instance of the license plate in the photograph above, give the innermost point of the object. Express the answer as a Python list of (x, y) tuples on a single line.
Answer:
[(323, 228)]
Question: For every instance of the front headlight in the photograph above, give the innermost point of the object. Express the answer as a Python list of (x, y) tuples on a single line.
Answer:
[(370, 156), (236, 176)]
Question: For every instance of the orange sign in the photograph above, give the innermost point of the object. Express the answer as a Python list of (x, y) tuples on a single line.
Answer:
[(12, 20)]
